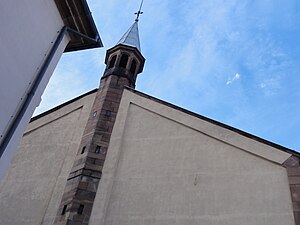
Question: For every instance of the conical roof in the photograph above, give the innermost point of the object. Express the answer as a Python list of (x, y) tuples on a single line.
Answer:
[(131, 37)]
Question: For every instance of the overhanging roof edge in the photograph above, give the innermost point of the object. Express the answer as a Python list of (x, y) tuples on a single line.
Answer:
[(77, 15)]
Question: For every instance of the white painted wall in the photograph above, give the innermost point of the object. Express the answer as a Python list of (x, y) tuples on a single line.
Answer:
[(164, 166), (28, 31), (32, 188)]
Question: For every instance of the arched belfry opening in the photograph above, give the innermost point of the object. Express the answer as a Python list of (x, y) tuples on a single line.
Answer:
[(124, 60), (133, 66), (112, 61)]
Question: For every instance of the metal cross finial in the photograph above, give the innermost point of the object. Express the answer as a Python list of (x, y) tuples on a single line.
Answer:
[(138, 13)]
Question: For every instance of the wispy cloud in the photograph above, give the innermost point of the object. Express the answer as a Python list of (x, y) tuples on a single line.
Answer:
[(270, 86), (236, 77)]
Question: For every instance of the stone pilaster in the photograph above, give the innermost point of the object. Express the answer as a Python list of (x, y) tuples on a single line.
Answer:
[(84, 177), (293, 171), (123, 64)]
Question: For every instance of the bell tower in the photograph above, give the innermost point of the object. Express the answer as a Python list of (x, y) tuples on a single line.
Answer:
[(125, 59), (123, 62)]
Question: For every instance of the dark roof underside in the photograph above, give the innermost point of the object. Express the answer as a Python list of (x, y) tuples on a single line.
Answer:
[(76, 15)]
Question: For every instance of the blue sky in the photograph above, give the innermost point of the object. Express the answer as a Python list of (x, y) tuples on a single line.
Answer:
[(234, 61)]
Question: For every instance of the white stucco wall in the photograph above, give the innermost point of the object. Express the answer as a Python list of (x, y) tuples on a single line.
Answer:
[(166, 167), (28, 30), (32, 188)]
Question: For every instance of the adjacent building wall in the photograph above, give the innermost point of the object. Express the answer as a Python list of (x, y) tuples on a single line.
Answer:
[(162, 167), (32, 188), (28, 30)]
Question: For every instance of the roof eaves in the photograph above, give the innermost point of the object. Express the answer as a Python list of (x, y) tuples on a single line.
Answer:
[(76, 15)]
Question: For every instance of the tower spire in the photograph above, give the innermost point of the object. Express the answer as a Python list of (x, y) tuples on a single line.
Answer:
[(131, 37)]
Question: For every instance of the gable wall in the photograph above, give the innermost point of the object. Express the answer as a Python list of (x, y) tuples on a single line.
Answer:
[(163, 168), (33, 186)]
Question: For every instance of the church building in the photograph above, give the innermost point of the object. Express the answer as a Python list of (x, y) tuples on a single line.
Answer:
[(116, 156)]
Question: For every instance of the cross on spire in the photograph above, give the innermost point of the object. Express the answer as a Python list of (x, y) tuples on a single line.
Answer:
[(138, 13)]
